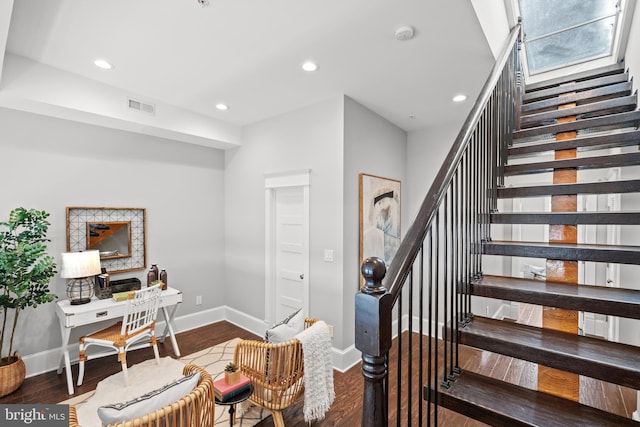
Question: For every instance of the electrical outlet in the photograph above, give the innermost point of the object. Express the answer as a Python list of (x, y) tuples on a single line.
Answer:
[(199, 300), (330, 330)]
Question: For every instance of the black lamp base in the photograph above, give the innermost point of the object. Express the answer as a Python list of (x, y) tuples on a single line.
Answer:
[(80, 290)]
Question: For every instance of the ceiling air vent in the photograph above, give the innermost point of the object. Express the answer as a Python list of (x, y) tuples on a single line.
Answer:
[(141, 106)]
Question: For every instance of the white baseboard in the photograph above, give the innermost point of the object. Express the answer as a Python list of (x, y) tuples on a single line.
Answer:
[(45, 361), (636, 415), (245, 321), (343, 359), (197, 320)]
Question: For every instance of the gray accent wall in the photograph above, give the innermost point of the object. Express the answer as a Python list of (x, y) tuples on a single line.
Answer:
[(50, 164), (309, 138), (374, 146)]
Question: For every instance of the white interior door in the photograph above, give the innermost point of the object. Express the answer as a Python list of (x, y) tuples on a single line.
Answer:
[(612, 270), (290, 252), (606, 274), (287, 245)]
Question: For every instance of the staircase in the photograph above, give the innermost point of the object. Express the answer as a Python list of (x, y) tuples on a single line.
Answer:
[(607, 120)]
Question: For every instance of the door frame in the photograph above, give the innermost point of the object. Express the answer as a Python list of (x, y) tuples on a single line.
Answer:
[(273, 181), (591, 324)]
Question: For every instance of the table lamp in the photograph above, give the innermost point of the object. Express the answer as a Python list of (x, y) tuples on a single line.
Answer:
[(79, 268)]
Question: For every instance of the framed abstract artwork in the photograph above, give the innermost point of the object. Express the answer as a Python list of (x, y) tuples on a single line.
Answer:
[(380, 201)]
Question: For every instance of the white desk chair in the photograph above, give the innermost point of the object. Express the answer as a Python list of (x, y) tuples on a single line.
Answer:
[(137, 324)]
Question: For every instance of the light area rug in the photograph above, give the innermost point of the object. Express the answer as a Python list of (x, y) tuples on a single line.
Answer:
[(148, 376)]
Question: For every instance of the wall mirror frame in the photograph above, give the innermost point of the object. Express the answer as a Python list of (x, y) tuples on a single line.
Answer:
[(79, 219)]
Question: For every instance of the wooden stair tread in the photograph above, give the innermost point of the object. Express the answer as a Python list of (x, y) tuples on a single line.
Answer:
[(607, 70), (619, 89), (573, 87), (630, 118), (564, 251), (600, 187), (593, 109), (583, 163), (594, 299), (566, 218), (503, 404), (603, 102), (596, 358), (594, 142)]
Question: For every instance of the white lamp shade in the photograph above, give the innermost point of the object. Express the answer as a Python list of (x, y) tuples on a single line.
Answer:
[(80, 264)]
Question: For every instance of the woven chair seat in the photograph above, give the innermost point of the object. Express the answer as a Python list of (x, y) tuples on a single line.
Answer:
[(111, 334)]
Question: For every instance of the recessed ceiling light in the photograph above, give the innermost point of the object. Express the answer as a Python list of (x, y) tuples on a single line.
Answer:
[(459, 98), (310, 66), (103, 64), (221, 106)]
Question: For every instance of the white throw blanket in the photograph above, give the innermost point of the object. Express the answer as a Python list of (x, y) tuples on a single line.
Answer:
[(318, 370)]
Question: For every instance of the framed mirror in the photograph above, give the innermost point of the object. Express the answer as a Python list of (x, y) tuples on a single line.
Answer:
[(112, 239), (118, 233)]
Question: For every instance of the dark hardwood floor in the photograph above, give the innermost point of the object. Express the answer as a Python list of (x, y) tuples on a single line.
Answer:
[(346, 410)]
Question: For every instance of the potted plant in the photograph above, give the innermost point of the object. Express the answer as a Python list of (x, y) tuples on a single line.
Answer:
[(231, 373), (25, 273)]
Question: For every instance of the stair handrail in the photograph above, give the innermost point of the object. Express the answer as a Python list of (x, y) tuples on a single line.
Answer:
[(410, 245), (378, 295)]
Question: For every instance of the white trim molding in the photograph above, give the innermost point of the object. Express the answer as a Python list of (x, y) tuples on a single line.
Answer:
[(46, 361), (272, 181)]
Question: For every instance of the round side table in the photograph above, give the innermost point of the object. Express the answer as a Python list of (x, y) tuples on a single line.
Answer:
[(231, 403)]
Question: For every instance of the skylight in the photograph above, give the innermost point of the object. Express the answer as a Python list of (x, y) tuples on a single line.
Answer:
[(559, 33)]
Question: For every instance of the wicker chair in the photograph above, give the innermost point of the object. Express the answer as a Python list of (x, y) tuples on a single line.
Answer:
[(196, 409), (138, 325), (276, 371)]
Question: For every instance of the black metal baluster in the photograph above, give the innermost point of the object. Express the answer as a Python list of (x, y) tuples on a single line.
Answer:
[(454, 273), (436, 238), (430, 381), (410, 351), (476, 203), (467, 228), (399, 373), (421, 331), (445, 267), (457, 264)]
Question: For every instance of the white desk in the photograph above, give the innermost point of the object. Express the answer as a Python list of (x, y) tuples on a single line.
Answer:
[(71, 316)]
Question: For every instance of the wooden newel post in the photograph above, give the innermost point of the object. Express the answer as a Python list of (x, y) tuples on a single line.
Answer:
[(373, 339)]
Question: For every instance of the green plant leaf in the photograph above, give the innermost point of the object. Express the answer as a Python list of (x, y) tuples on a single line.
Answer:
[(25, 267)]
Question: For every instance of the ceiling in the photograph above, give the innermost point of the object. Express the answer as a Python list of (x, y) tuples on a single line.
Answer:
[(185, 58)]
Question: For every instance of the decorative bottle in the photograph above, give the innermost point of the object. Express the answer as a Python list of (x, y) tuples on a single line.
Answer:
[(163, 278), (152, 275)]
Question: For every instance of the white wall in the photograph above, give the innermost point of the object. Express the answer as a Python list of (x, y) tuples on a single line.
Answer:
[(426, 153), (632, 55), (50, 163), (492, 16), (630, 235), (374, 146), (308, 138)]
